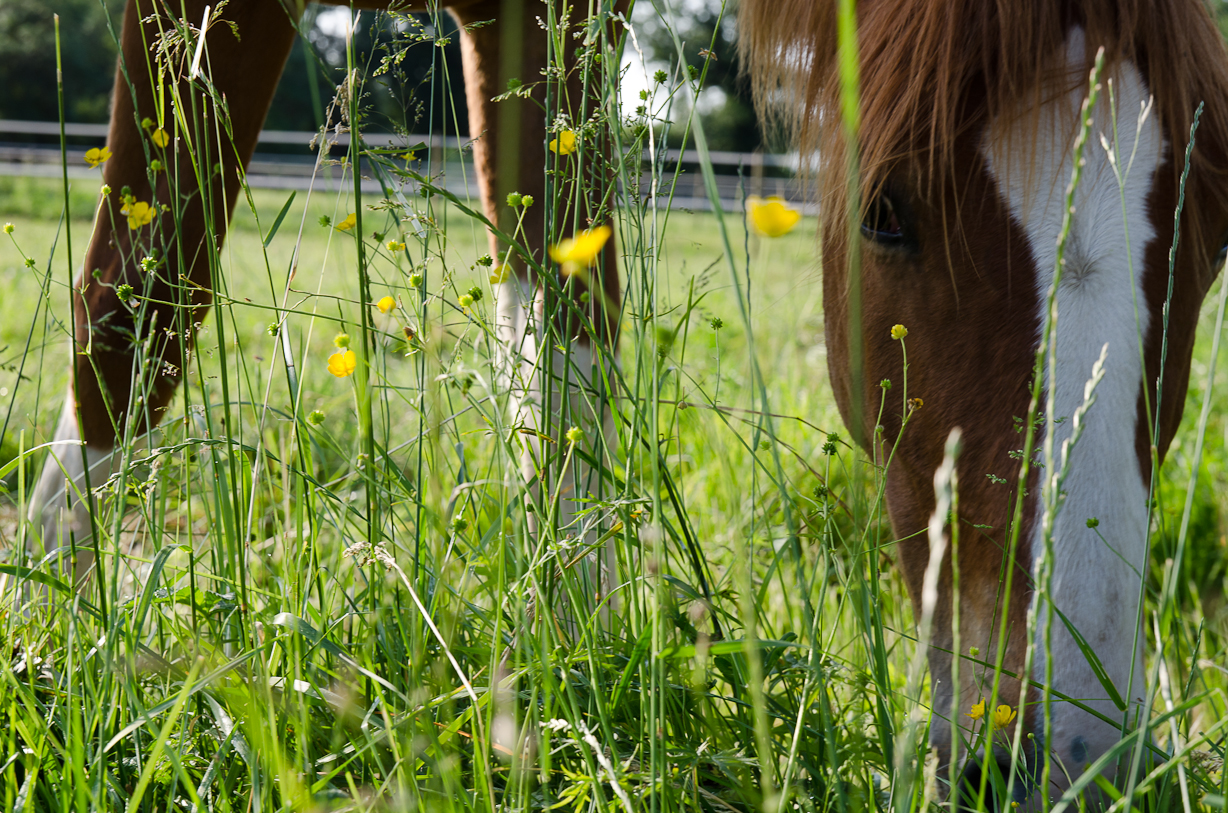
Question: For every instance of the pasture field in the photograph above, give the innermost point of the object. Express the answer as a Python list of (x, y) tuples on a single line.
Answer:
[(286, 621)]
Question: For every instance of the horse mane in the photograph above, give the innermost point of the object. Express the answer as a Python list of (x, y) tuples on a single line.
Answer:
[(933, 69)]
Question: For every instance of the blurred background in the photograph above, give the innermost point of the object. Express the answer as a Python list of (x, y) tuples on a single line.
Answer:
[(402, 99)]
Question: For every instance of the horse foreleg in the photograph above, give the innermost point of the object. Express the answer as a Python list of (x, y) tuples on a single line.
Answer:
[(555, 334), (121, 304)]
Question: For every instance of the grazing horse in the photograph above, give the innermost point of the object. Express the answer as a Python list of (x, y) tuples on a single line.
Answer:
[(969, 111), (244, 51)]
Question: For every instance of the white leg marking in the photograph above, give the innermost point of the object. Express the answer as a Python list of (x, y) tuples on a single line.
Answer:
[(523, 374), (1095, 583), (55, 506)]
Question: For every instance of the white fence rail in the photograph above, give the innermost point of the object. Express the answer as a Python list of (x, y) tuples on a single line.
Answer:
[(280, 171)]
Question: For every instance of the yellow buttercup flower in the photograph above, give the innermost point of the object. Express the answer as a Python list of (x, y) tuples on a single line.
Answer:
[(97, 156), (1002, 716), (139, 213), (578, 253), (160, 137), (393, 245), (977, 711), (343, 363), (500, 273), (772, 217), (898, 332), (386, 305), (350, 222), (564, 144)]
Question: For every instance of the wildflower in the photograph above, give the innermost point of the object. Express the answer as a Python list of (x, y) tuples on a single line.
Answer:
[(514, 199), (885, 383), (386, 305), (97, 156), (898, 332), (106, 189), (315, 417), (410, 156), (1093, 522), (772, 217), (915, 403), (974, 651), (123, 292), (8, 228), (500, 273), (977, 711), (716, 323), (1002, 716), (465, 300), (139, 213), (350, 222), (325, 221), (393, 245), (476, 293), (574, 435), (146, 123), (659, 77), (364, 554), (564, 144), (526, 201), (579, 252), (341, 341), (342, 363), (155, 165), (160, 137), (829, 447), (415, 280), (29, 262)]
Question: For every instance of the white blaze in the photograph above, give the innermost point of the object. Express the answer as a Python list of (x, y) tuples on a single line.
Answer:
[(1096, 580)]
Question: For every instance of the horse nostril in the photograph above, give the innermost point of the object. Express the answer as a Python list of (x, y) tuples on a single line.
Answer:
[(974, 776)]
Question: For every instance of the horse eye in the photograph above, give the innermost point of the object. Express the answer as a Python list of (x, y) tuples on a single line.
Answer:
[(882, 223)]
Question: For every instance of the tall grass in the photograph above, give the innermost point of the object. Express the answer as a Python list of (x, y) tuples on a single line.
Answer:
[(342, 593)]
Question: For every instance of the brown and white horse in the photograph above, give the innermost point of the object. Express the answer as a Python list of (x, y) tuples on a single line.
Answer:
[(968, 112)]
